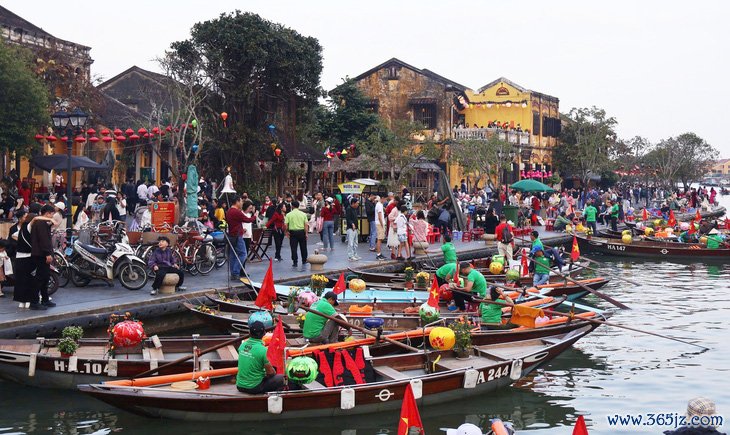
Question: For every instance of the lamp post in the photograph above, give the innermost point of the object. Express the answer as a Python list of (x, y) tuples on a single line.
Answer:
[(70, 124)]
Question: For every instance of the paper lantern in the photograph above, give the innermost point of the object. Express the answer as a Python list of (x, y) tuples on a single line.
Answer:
[(93, 139), (51, 138), (513, 275), (302, 370), (105, 132), (90, 131), (648, 231), (134, 137), (442, 338), (195, 148), (428, 313), (39, 137), (80, 139), (224, 116), (495, 268), (142, 131), (128, 333), (627, 239), (626, 232), (277, 152), (117, 132), (263, 317), (357, 285), (307, 298), (445, 293), (155, 130), (120, 138), (129, 132), (106, 139), (522, 174), (194, 123), (64, 139), (344, 152)]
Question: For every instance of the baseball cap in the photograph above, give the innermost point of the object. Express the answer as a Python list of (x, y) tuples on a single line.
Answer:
[(331, 295), (257, 329)]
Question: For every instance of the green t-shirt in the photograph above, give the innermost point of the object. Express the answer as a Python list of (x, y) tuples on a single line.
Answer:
[(313, 323), (251, 362), (446, 269), (491, 313), (296, 220), (542, 264), (449, 252), (590, 213), (614, 211), (480, 284), (713, 241)]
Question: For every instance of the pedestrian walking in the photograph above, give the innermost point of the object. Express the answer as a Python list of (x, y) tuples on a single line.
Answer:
[(42, 255), (235, 218), (351, 217), (295, 223), (276, 224)]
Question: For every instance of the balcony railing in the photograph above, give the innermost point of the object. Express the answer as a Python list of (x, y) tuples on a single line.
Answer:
[(513, 137)]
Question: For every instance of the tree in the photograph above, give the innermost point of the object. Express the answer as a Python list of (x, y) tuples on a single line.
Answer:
[(483, 157), (587, 144), (684, 158), (23, 102), (349, 117)]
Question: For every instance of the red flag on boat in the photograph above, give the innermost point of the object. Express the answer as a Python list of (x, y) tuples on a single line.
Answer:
[(433, 295), (409, 416), (672, 221), (691, 227), (340, 285), (275, 351), (267, 292), (525, 266), (698, 216), (644, 215), (456, 274), (580, 426), (575, 252)]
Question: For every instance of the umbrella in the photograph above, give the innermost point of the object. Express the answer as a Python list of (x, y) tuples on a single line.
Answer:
[(531, 186), (59, 162)]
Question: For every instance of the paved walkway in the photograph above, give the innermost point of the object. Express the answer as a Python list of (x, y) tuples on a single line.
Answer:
[(100, 298)]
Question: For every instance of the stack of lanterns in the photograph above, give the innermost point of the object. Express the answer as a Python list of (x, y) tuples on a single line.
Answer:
[(342, 154)]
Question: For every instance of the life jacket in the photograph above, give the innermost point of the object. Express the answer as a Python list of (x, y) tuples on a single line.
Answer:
[(324, 368), (356, 365)]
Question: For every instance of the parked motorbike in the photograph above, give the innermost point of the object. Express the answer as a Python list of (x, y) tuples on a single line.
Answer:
[(90, 262)]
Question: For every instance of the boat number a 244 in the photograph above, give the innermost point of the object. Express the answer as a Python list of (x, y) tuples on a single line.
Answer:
[(493, 374)]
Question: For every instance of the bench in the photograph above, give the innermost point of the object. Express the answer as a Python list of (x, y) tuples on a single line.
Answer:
[(390, 373)]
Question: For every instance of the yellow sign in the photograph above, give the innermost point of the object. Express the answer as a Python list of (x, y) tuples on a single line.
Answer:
[(351, 187)]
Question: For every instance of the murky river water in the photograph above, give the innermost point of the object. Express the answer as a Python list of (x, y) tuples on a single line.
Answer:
[(611, 371)]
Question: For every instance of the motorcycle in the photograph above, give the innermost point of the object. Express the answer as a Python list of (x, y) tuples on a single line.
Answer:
[(90, 262)]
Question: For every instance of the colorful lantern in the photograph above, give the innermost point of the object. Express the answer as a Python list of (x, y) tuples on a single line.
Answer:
[(51, 138), (513, 275), (496, 268), (155, 130), (277, 152), (302, 370), (224, 116), (263, 317), (134, 137), (64, 139), (128, 333), (120, 138), (90, 131), (522, 174), (117, 132), (307, 298), (442, 338), (80, 139), (195, 148), (93, 139), (344, 152), (194, 123), (106, 139), (129, 132), (445, 293), (39, 137), (428, 313), (627, 239), (357, 285), (142, 131), (105, 132)]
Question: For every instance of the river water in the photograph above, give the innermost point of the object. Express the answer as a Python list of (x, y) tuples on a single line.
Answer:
[(612, 371)]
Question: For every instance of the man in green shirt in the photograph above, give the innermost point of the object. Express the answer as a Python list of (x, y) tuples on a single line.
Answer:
[(491, 314), (542, 268), (590, 213), (445, 273), (449, 250), (536, 242), (474, 283), (713, 239), (295, 223), (614, 215), (256, 375), (318, 329)]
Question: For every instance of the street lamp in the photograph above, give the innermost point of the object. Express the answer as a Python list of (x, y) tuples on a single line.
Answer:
[(70, 124)]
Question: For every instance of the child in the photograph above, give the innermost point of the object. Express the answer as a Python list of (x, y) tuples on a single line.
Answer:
[(401, 229)]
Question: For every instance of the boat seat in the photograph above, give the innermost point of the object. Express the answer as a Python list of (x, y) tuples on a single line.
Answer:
[(93, 249), (389, 373), (314, 385), (153, 353), (228, 353)]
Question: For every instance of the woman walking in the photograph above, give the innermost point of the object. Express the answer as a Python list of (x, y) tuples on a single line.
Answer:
[(328, 224), (276, 224)]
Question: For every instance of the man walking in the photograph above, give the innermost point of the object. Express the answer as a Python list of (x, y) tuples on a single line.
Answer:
[(505, 238), (238, 254), (42, 255), (379, 226), (370, 213), (296, 227), (351, 218)]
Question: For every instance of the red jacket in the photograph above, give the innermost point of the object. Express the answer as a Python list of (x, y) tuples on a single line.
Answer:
[(327, 214), (276, 221), (235, 218)]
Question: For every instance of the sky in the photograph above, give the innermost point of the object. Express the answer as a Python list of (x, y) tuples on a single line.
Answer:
[(659, 67)]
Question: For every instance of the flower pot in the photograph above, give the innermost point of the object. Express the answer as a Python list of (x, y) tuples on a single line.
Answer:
[(66, 355), (409, 285)]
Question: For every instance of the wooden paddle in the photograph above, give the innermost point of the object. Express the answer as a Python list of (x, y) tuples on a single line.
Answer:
[(185, 358), (600, 322), (361, 329)]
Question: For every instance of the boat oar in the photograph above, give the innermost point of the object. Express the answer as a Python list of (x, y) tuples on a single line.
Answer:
[(359, 328), (185, 358), (596, 321)]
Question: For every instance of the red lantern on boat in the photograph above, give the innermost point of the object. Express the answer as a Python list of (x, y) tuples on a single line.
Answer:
[(128, 333)]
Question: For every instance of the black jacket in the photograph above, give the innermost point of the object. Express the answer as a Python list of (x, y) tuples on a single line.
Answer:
[(351, 215), (40, 238)]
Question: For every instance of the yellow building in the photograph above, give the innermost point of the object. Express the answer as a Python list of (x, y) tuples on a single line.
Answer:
[(529, 120), (721, 167)]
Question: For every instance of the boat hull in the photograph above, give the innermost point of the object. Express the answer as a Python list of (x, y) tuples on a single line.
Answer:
[(642, 249)]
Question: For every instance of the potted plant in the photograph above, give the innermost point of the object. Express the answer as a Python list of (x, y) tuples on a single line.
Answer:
[(462, 331), (408, 272), (67, 346), (422, 279), (73, 332), (317, 284)]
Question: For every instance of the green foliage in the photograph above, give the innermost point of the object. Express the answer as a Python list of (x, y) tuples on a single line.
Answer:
[(23, 102), (349, 117), (684, 158), (67, 345), (482, 157), (462, 331), (73, 332)]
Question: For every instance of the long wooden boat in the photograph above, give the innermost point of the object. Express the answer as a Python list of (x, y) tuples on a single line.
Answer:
[(437, 377), (644, 249)]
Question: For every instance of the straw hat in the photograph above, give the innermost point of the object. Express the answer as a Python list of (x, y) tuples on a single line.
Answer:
[(700, 407)]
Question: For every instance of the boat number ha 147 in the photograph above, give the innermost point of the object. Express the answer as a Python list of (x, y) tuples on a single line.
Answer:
[(616, 247), (86, 367)]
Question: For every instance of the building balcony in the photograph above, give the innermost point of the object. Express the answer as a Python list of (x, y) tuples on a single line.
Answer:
[(511, 136)]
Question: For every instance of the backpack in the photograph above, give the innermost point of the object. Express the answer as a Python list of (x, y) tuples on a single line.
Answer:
[(507, 236)]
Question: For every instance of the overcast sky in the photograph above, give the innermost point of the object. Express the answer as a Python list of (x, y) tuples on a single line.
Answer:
[(659, 67)]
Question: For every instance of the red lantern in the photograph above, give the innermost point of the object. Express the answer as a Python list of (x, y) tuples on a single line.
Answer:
[(129, 132), (550, 174), (106, 139), (445, 293), (91, 132), (142, 131), (105, 132), (168, 128), (117, 132), (522, 174), (120, 138), (39, 137), (146, 135), (224, 116), (134, 137), (156, 130), (64, 139), (277, 152), (93, 139), (51, 138), (352, 146), (128, 333)]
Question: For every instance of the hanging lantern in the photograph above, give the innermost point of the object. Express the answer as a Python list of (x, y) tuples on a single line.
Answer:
[(93, 139), (142, 131), (224, 116), (442, 338), (272, 128), (91, 131), (344, 152), (273, 146), (508, 104), (155, 130), (128, 333), (64, 139), (106, 139), (120, 138), (39, 137), (146, 135), (195, 148), (134, 137), (129, 132), (105, 132), (168, 128), (80, 139), (522, 174), (51, 138), (277, 152), (550, 174), (194, 123), (117, 132), (524, 105), (489, 105)]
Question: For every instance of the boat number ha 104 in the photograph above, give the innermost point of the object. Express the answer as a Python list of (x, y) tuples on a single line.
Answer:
[(85, 368), (493, 374), (616, 247)]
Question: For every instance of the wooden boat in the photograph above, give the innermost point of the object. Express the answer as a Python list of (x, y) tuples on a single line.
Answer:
[(644, 249), (437, 377)]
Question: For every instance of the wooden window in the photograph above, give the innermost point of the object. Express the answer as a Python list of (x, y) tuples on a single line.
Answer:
[(425, 114), (393, 72), (536, 123)]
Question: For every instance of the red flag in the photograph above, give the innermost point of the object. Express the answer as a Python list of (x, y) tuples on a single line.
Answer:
[(433, 295), (340, 285), (672, 221), (409, 416), (456, 274), (575, 252), (267, 292), (275, 351), (691, 227), (580, 426), (644, 215), (698, 216), (525, 266)]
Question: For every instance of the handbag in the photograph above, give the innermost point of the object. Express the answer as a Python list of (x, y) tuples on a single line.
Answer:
[(320, 224)]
